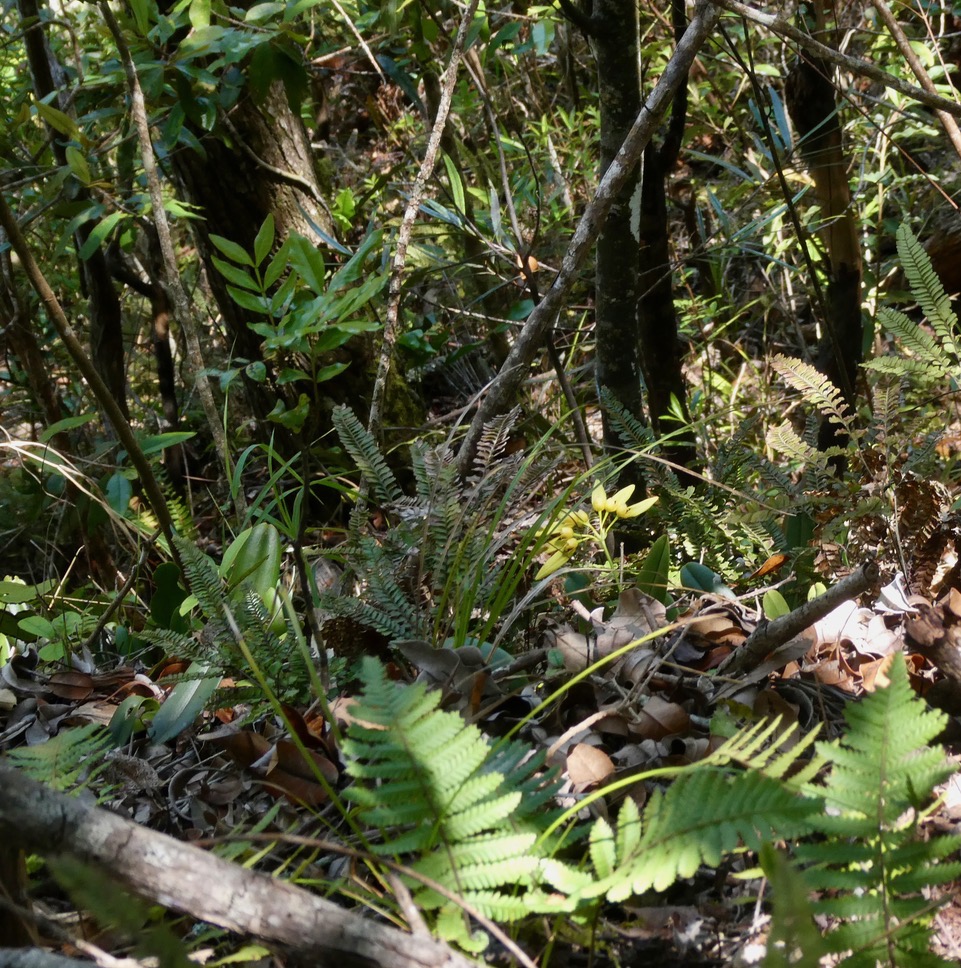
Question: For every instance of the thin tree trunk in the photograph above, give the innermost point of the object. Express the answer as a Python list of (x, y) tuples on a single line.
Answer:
[(615, 39), (660, 349), (106, 321)]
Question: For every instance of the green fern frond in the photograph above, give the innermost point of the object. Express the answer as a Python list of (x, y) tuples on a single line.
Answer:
[(366, 455), (633, 434), (886, 405), (430, 784), (872, 862), (927, 288), (202, 579), (784, 439), (815, 387), (491, 446), (74, 756), (928, 359)]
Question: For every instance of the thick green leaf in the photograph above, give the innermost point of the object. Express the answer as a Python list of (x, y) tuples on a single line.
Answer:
[(59, 121), (653, 574), (236, 275), (184, 704)]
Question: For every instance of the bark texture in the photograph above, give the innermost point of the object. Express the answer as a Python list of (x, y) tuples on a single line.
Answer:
[(183, 877)]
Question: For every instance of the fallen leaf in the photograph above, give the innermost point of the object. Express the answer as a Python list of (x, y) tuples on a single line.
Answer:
[(587, 766)]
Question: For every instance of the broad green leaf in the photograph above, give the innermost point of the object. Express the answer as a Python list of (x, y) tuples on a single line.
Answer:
[(18, 593), (256, 371), (199, 13), (653, 575), (264, 240), (354, 268), (232, 250), (236, 275), (698, 577), (774, 604), (260, 12), (59, 121), (77, 161), (308, 260), (184, 704), (155, 443), (99, 233), (253, 557), (329, 372), (456, 184), (141, 11), (247, 300), (68, 423), (294, 418), (118, 492)]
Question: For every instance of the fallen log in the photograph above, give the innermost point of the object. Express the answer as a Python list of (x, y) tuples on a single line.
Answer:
[(195, 882)]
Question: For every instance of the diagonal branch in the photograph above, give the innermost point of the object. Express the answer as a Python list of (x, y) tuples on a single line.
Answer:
[(505, 387), (782, 28)]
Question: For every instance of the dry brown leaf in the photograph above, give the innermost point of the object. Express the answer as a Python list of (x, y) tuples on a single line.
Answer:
[(588, 766), (660, 718), (71, 684)]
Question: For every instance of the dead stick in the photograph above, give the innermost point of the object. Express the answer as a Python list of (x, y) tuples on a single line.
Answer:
[(187, 879), (770, 635)]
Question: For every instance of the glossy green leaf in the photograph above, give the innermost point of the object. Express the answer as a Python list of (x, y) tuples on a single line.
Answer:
[(184, 704), (60, 122), (264, 241), (652, 577)]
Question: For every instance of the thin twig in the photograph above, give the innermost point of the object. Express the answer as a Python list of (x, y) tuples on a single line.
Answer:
[(392, 321), (780, 26), (948, 122), (172, 283)]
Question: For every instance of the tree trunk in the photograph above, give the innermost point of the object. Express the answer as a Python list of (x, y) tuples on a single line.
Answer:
[(247, 171), (614, 33), (660, 349), (811, 103)]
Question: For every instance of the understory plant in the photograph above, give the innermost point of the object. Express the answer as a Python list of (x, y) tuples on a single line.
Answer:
[(475, 825)]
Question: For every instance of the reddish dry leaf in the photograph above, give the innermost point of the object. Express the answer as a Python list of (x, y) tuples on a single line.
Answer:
[(587, 766), (71, 684)]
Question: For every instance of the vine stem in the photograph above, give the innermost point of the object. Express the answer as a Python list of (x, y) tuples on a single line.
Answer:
[(404, 234), (172, 283)]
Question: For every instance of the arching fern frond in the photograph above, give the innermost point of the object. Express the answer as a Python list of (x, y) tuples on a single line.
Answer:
[(928, 359), (927, 288), (815, 387), (366, 454), (872, 862), (433, 788)]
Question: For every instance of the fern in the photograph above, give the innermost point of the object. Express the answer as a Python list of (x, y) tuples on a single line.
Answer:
[(434, 789), (364, 450), (872, 861), (74, 756), (455, 555), (216, 642), (816, 388), (928, 362), (928, 289)]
